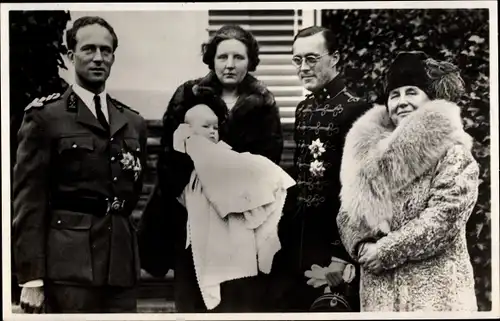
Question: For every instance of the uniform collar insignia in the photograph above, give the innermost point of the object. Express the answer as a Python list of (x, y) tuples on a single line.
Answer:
[(332, 89), (72, 99)]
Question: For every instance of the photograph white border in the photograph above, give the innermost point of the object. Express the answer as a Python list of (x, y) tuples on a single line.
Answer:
[(494, 103)]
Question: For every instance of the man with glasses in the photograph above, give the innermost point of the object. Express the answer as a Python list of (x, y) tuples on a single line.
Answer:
[(77, 179), (313, 258)]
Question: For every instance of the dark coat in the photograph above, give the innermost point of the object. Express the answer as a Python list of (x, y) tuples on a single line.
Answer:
[(253, 125), (65, 155), (308, 230)]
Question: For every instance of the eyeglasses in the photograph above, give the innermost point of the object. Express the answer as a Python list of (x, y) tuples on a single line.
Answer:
[(311, 60)]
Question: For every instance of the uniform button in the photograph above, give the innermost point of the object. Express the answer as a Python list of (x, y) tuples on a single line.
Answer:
[(74, 146), (138, 149), (59, 222), (115, 179), (112, 139), (113, 159)]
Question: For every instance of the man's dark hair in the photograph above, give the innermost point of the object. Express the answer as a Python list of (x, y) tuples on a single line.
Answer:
[(328, 35), (87, 21)]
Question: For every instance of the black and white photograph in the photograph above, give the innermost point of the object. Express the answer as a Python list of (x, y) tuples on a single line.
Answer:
[(250, 161)]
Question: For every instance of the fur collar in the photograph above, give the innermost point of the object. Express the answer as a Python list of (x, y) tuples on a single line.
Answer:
[(379, 160), (252, 92)]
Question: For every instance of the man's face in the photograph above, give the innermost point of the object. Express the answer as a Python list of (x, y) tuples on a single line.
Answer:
[(315, 66), (93, 55)]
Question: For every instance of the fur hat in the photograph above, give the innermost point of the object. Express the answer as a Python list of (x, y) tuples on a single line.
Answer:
[(438, 79), (407, 69)]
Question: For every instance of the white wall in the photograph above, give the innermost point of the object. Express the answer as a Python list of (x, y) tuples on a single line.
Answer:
[(157, 51)]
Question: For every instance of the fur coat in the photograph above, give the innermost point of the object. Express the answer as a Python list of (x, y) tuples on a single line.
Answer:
[(411, 189)]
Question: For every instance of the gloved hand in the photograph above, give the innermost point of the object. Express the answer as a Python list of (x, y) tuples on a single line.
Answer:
[(336, 273), (316, 276)]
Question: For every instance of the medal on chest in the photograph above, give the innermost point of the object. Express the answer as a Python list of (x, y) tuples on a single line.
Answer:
[(317, 148)]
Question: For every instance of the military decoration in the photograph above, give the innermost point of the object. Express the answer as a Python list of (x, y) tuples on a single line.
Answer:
[(317, 149), (131, 163)]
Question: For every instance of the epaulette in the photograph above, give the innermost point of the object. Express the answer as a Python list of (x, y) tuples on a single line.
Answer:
[(121, 105), (41, 102)]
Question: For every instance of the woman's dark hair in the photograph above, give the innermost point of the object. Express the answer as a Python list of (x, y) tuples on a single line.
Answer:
[(87, 21), (229, 32)]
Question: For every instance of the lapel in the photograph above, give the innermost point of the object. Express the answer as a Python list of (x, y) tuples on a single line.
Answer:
[(117, 118), (84, 115), (248, 97)]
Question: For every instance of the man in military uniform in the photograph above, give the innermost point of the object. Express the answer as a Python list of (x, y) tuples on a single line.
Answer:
[(77, 179), (308, 230)]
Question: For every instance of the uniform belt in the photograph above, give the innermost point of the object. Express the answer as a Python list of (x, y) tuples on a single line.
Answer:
[(96, 206)]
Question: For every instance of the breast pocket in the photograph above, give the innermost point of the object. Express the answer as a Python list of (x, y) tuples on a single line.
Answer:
[(133, 146), (74, 152)]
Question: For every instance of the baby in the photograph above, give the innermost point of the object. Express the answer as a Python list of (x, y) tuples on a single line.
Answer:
[(234, 203), (203, 121)]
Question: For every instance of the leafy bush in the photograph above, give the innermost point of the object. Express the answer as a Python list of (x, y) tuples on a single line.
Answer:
[(368, 40), (36, 45)]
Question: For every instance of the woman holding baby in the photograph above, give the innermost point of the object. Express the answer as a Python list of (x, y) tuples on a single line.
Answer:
[(247, 120), (409, 185)]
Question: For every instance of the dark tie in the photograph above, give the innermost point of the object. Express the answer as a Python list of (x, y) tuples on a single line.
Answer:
[(100, 114)]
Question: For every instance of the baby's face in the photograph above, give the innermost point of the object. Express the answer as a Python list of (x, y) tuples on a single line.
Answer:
[(205, 123)]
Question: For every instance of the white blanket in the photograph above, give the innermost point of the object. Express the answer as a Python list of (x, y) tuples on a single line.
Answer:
[(234, 203)]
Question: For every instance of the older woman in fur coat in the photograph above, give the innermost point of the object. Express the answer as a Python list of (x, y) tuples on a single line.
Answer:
[(410, 184)]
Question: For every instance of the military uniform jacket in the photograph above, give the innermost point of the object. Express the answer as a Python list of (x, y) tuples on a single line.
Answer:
[(309, 233), (65, 155)]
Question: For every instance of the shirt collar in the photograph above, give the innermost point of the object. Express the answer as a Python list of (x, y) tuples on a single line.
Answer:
[(88, 97)]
